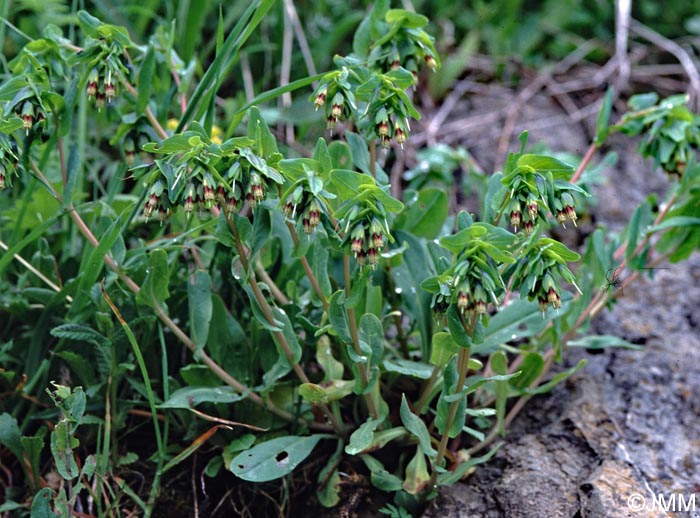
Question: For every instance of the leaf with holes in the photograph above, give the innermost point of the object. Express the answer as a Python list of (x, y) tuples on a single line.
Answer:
[(273, 459)]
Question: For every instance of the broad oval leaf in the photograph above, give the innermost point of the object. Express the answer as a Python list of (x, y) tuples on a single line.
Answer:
[(190, 397), (273, 459)]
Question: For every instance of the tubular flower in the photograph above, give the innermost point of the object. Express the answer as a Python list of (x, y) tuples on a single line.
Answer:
[(190, 198), (357, 240), (320, 99), (92, 81)]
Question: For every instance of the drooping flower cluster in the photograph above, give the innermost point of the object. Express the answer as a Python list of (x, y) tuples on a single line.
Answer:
[(473, 280), (537, 187), (101, 86), (334, 95), (536, 273), (367, 240), (474, 287)]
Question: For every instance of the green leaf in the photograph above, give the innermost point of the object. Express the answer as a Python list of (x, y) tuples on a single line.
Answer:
[(33, 447), (207, 86), (359, 152), (10, 434), (603, 124), (456, 327), (146, 79), (273, 459), (260, 131), (520, 319), (557, 250), (361, 439), (417, 427), (372, 334), (543, 163), (324, 356), (530, 369), (449, 478), (417, 476), (155, 288), (406, 18), (190, 397), (558, 378), (425, 216), (41, 504), (603, 341), (200, 306), (408, 368), (347, 182), (92, 267), (341, 158), (338, 317), (329, 391), (62, 444), (444, 348), (380, 477), (79, 332), (676, 221), (262, 226), (329, 482)]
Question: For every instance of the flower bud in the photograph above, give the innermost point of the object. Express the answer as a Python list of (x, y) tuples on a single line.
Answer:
[(569, 209), (162, 213), (129, 151), (306, 223), (233, 202), (221, 194), (320, 99), (100, 99), (361, 257), (314, 214), (92, 81), (2, 178), (208, 190), (190, 198), (337, 107), (515, 214), (150, 206), (532, 208), (480, 296), (373, 256), (109, 87), (430, 62), (27, 116), (256, 190), (290, 208), (377, 234), (463, 297), (357, 239)]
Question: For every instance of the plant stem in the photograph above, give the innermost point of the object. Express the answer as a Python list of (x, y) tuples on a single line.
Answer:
[(281, 340), (584, 162), (462, 365), (352, 322), (427, 389), (373, 158), (307, 268)]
